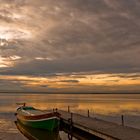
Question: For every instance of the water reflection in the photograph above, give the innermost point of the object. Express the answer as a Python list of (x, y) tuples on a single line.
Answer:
[(37, 134), (99, 104)]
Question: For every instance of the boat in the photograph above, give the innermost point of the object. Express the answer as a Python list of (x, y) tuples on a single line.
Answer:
[(37, 134), (40, 119)]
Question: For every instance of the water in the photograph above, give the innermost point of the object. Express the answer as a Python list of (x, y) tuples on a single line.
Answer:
[(108, 107)]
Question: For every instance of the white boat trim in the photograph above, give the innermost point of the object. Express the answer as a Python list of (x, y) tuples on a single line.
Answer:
[(38, 120)]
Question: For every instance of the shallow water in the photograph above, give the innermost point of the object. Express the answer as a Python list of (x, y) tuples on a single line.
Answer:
[(108, 107)]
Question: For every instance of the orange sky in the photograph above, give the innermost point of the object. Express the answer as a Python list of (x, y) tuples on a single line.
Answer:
[(73, 83)]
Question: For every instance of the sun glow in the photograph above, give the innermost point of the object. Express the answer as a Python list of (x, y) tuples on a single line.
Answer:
[(7, 33)]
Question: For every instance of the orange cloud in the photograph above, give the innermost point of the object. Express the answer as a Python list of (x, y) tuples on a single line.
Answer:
[(87, 83)]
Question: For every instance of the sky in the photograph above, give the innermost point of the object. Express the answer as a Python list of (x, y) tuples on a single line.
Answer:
[(70, 46)]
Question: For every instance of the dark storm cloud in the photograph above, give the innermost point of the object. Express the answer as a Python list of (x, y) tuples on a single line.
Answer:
[(78, 35), (84, 64)]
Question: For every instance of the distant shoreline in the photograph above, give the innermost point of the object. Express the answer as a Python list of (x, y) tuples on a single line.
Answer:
[(67, 93)]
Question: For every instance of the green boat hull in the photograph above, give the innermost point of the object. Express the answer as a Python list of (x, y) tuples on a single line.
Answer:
[(50, 124), (37, 134)]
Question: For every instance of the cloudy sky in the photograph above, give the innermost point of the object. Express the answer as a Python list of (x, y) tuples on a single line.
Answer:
[(70, 46)]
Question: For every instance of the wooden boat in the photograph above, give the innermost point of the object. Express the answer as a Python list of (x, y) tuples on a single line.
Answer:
[(39, 119), (37, 134)]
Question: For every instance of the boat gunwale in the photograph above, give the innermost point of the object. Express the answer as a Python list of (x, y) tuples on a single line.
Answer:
[(39, 120), (38, 117)]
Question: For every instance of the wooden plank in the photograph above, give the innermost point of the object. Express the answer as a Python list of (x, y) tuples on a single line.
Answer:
[(106, 130)]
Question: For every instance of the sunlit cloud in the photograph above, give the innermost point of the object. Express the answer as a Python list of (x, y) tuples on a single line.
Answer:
[(14, 57), (4, 63), (9, 34), (44, 58), (8, 61)]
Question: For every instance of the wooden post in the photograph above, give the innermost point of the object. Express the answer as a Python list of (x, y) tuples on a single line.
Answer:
[(24, 104), (71, 117), (69, 109), (70, 120), (122, 118), (88, 113)]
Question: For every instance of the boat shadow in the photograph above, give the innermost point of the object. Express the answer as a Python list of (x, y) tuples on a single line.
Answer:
[(37, 134)]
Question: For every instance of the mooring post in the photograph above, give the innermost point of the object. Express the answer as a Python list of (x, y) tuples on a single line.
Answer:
[(24, 104), (122, 117), (71, 114), (88, 113), (71, 123), (70, 120), (68, 108)]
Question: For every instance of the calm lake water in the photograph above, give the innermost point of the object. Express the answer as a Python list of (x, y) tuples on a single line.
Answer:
[(108, 107)]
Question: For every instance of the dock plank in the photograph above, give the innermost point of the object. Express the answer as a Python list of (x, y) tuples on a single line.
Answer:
[(101, 128)]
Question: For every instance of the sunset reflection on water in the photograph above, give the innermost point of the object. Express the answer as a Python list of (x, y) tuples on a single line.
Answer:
[(100, 104)]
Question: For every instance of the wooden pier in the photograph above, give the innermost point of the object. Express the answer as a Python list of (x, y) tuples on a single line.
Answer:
[(99, 129)]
